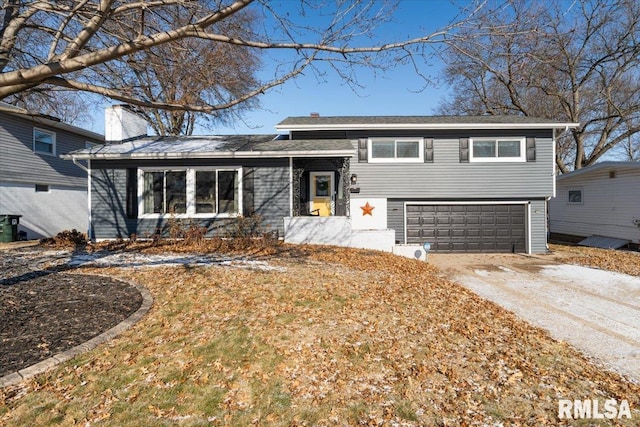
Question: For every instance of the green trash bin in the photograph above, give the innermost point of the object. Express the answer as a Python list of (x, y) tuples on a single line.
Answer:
[(9, 228)]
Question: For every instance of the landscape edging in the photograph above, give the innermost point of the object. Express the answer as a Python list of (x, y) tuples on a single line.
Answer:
[(53, 361)]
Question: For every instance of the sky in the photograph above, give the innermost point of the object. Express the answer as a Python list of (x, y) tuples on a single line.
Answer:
[(398, 91)]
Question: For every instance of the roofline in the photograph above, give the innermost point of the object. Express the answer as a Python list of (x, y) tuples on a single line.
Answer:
[(40, 120), (211, 155), (429, 126), (598, 166)]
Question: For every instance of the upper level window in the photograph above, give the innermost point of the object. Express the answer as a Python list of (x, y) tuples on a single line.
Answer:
[(190, 191), (396, 150), (44, 141), (498, 150)]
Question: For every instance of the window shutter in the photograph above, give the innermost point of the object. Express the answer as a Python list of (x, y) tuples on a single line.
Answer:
[(131, 202), (362, 150), (248, 193), (464, 150), (531, 149), (428, 150)]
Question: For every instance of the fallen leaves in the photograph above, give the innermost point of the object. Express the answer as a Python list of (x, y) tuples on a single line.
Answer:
[(334, 337), (626, 262)]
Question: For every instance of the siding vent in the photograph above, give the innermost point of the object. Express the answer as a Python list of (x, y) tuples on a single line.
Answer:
[(612, 174)]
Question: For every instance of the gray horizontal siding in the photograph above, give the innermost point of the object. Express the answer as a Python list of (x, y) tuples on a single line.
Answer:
[(18, 162), (108, 198), (447, 178), (609, 205), (539, 231)]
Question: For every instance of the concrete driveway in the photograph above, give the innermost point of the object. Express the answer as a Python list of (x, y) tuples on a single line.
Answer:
[(596, 311)]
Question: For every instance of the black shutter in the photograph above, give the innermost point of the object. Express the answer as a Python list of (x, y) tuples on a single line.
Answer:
[(428, 150), (132, 193), (531, 149), (362, 150), (464, 150), (248, 204)]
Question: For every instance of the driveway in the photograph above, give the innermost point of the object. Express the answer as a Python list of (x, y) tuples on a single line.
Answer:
[(596, 311)]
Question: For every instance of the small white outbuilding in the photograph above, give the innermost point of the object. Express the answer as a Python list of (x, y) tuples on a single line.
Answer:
[(598, 200)]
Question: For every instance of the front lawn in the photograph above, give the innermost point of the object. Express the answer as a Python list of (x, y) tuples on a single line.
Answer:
[(330, 337)]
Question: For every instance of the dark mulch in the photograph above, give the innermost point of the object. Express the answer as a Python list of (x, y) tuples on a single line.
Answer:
[(45, 310)]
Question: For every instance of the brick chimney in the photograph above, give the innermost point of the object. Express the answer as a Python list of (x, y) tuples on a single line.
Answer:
[(122, 124)]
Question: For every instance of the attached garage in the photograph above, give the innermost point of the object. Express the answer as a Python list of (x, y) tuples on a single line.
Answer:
[(490, 227)]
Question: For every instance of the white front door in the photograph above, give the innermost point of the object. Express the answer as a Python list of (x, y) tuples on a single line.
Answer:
[(322, 193)]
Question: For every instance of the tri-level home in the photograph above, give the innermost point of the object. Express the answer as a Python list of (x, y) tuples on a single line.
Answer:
[(48, 193), (460, 184)]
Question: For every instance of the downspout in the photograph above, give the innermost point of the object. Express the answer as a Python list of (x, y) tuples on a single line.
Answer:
[(291, 186), (87, 169)]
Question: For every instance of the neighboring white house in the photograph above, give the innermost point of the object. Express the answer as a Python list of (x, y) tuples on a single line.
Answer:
[(598, 200), (49, 193)]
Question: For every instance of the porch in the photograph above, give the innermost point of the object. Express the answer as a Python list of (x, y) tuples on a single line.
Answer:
[(321, 187)]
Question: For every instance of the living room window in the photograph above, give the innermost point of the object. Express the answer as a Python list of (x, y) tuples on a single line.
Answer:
[(189, 192), (44, 142), (402, 150), (497, 150)]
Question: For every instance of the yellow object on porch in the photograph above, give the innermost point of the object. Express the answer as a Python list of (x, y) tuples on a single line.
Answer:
[(322, 193)]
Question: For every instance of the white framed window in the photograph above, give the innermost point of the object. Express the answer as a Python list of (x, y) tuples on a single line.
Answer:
[(574, 196), (498, 150), (392, 150), (190, 192), (44, 142)]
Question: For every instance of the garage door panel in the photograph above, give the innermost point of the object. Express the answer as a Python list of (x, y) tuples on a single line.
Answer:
[(468, 228)]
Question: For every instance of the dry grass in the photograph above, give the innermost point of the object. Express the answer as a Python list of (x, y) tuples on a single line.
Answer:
[(338, 337)]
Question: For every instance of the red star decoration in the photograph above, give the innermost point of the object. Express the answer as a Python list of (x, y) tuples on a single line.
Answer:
[(367, 209)]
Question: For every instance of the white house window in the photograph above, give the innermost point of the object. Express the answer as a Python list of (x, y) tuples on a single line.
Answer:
[(216, 191), (396, 150), (44, 141), (165, 192), (189, 192), (575, 197), (498, 150)]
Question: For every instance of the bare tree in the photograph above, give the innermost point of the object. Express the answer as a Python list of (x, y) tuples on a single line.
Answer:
[(575, 62), (114, 48)]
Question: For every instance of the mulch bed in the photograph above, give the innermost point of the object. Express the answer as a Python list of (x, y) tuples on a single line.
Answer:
[(46, 310)]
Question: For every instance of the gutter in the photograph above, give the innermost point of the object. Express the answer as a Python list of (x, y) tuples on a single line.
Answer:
[(218, 155), (428, 126), (75, 162)]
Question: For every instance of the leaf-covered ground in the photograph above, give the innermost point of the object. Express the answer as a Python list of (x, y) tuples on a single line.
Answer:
[(626, 262), (333, 337)]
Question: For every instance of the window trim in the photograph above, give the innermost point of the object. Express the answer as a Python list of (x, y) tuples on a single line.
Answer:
[(395, 159), (190, 192), (570, 190), (521, 159), (53, 142)]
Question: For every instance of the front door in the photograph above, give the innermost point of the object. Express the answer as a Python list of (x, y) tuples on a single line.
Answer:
[(321, 193)]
